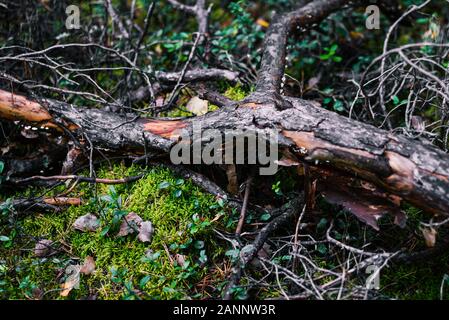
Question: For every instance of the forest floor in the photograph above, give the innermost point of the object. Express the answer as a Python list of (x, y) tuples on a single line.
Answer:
[(183, 260)]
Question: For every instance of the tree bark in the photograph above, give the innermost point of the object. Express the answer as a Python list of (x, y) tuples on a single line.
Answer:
[(412, 169)]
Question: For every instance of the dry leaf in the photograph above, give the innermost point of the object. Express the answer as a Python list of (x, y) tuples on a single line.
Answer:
[(88, 266), (69, 284), (312, 83), (160, 101), (400, 219), (368, 209), (430, 235), (197, 106), (130, 224), (356, 35), (418, 123), (233, 185), (265, 251), (72, 160), (180, 259), (263, 23), (88, 222), (44, 248), (146, 231), (37, 293)]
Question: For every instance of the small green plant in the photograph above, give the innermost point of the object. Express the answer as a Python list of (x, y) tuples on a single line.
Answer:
[(233, 254), (276, 187), (331, 54), (241, 35), (27, 286), (198, 224), (113, 207)]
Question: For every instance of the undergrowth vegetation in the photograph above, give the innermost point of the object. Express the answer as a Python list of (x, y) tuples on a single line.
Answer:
[(176, 264), (185, 259)]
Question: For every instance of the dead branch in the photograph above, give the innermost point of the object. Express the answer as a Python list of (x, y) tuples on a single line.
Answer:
[(79, 179)]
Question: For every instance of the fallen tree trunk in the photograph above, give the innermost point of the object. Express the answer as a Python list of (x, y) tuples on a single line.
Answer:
[(413, 170)]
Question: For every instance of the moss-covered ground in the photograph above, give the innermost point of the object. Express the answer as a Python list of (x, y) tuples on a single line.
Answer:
[(184, 258), (181, 214)]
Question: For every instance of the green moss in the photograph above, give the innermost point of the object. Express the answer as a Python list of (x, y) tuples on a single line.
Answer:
[(235, 93), (416, 282), (181, 216)]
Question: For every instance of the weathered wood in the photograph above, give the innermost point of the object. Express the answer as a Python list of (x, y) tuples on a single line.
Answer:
[(412, 169)]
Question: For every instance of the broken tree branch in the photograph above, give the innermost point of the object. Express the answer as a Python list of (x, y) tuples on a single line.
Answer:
[(411, 169)]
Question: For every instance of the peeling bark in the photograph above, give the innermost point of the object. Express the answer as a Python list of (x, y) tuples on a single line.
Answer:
[(411, 169)]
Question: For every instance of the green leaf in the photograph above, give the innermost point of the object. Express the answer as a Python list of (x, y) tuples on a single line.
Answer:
[(322, 248), (4, 238), (234, 253), (203, 256), (265, 217), (221, 202), (333, 48), (144, 281), (198, 244), (164, 185), (177, 193), (325, 56), (396, 100), (2, 166), (337, 59), (327, 100), (322, 224), (179, 182), (338, 106), (104, 231), (422, 20)]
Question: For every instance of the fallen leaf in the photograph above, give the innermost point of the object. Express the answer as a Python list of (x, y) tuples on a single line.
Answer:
[(430, 235), (180, 259), (368, 210), (130, 224), (265, 251), (44, 248), (312, 83), (73, 159), (37, 293), (356, 35), (400, 219), (197, 106), (69, 284), (146, 231), (88, 266), (88, 222), (231, 173), (418, 123), (263, 23), (160, 101)]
